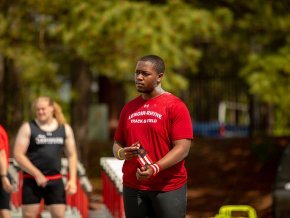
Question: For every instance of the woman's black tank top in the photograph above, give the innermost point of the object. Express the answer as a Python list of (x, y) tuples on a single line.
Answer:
[(46, 148)]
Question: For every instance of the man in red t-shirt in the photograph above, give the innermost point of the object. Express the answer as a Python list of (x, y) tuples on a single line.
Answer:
[(154, 136), (5, 185)]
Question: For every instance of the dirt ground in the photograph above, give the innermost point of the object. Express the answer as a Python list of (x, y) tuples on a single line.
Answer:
[(226, 172), (231, 172)]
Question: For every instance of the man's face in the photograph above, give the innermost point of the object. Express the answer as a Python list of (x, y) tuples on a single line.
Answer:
[(146, 78)]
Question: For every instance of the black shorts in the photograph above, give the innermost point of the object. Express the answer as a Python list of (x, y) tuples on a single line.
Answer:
[(52, 193), (4, 198)]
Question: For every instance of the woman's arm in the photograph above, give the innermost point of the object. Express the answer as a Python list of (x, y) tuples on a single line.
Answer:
[(21, 145), (71, 153)]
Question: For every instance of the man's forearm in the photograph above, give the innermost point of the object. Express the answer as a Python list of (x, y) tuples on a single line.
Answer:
[(178, 153)]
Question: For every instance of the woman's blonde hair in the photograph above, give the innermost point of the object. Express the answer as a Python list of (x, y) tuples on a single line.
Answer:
[(57, 111)]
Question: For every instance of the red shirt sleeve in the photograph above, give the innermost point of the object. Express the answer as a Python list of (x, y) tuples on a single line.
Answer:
[(181, 124)]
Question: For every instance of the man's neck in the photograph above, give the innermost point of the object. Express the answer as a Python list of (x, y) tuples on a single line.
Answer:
[(156, 92)]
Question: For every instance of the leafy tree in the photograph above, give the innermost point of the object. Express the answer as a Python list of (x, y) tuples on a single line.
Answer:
[(48, 43), (112, 34), (267, 70), (269, 77), (253, 49)]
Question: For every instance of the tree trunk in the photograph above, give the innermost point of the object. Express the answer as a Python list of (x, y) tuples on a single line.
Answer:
[(81, 79), (112, 93), (11, 101)]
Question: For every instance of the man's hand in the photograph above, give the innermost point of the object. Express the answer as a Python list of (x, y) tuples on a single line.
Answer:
[(144, 173), (128, 153)]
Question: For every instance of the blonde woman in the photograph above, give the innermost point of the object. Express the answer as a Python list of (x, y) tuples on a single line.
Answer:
[(38, 149)]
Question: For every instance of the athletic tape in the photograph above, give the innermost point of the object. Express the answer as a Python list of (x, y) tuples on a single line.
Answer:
[(145, 161), (143, 158), (155, 167)]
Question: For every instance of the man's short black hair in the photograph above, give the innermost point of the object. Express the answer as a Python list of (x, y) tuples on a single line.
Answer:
[(158, 63)]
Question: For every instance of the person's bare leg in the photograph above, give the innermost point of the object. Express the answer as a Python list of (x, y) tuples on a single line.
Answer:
[(30, 210), (5, 213), (57, 210)]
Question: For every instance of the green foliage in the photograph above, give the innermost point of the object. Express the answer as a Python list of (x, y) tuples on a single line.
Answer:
[(218, 38), (267, 68), (22, 41), (269, 78), (255, 48), (112, 35), (109, 35)]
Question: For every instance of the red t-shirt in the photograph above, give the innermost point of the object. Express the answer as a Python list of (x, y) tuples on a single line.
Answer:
[(155, 123), (4, 143)]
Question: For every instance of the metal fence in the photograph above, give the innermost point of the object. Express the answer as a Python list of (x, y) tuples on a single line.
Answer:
[(219, 107)]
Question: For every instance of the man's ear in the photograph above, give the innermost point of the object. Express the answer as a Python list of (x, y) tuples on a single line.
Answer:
[(160, 75)]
